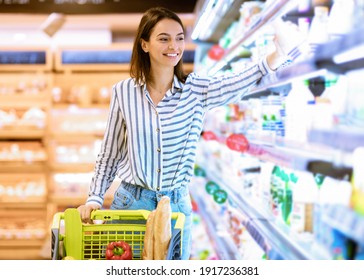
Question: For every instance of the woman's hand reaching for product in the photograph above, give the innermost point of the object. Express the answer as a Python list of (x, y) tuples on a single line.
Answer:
[(85, 212), (287, 38), (276, 58)]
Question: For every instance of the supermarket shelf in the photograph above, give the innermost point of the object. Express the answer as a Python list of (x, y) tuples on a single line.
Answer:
[(79, 136), (16, 167), (20, 101), (21, 254), (286, 157), (327, 161), (300, 156), (222, 16), (72, 167), (29, 200), (223, 245), (323, 61), (250, 208), (268, 14), (22, 133), (346, 139), (272, 236), (284, 244), (22, 204), (331, 163), (349, 47), (346, 221), (18, 242), (302, 70), (319, 65), (25, 58), (68, 106), (282, 78)]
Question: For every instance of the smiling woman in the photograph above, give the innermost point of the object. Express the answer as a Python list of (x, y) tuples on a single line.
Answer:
[(158, 36), (156, 119), (165, 46)]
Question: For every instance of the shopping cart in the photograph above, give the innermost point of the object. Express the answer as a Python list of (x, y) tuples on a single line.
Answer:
[(80, 241)]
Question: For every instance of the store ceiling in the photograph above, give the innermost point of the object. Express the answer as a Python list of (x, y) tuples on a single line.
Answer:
[(69, 7), (125, 18)]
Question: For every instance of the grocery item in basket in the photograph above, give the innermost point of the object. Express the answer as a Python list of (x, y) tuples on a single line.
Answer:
[(148, 249), (118, 250), (162, 228)]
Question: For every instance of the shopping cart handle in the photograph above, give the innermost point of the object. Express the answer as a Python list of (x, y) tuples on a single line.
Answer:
[(109, 215)]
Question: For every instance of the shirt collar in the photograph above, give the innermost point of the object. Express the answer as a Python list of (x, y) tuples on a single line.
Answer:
[(177, 86)]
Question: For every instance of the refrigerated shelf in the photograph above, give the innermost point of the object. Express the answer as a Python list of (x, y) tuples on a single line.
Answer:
[(327, 160), (346, 139), (268, 14), (345, 220), (274, 237), (222, 243)]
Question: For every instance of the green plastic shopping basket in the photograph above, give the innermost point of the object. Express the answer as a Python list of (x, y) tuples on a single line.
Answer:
[(80, 241)]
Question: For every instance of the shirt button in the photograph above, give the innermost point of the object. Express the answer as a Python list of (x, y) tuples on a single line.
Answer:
[(158, 150), (158, 170), (157, 129), (158, 188)]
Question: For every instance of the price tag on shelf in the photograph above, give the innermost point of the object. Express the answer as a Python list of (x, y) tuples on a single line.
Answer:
[(237, 142), (211, 187), (209, 135), (199, 172), (220, 196)]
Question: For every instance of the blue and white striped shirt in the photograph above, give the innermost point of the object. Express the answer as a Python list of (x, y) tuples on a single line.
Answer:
[(155, 146)]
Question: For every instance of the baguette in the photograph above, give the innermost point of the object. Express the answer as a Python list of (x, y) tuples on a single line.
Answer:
[(162, 228), (148, 248)]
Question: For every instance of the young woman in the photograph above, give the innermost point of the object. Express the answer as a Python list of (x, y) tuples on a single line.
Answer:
[(156, 118)]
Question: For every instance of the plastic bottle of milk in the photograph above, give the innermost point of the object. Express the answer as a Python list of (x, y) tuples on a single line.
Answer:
[(341, 18), (318, 33), (297, 114), (305, 195)]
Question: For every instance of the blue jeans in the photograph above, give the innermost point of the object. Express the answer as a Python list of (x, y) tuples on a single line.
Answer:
[(133, 197)]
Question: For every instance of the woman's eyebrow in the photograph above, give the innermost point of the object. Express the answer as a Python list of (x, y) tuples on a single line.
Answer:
[(166, 34)]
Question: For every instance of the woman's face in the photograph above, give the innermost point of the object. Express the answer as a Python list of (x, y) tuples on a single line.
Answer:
[(166, 43)]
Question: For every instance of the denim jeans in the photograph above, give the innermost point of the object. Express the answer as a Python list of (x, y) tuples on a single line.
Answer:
[(133, 197)]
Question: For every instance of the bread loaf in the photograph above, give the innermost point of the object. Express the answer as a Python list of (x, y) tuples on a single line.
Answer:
[(148, 248), (162, 228)]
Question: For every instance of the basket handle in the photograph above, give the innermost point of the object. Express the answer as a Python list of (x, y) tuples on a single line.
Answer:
[(109, 215)]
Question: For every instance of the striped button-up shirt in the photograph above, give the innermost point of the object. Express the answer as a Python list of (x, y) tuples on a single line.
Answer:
[(154, 146)]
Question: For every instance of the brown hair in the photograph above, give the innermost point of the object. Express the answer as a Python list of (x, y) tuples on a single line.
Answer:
[(140, 61)]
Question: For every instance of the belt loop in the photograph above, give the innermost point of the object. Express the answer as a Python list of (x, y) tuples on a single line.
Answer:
[(138, 191), (175, 196)]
